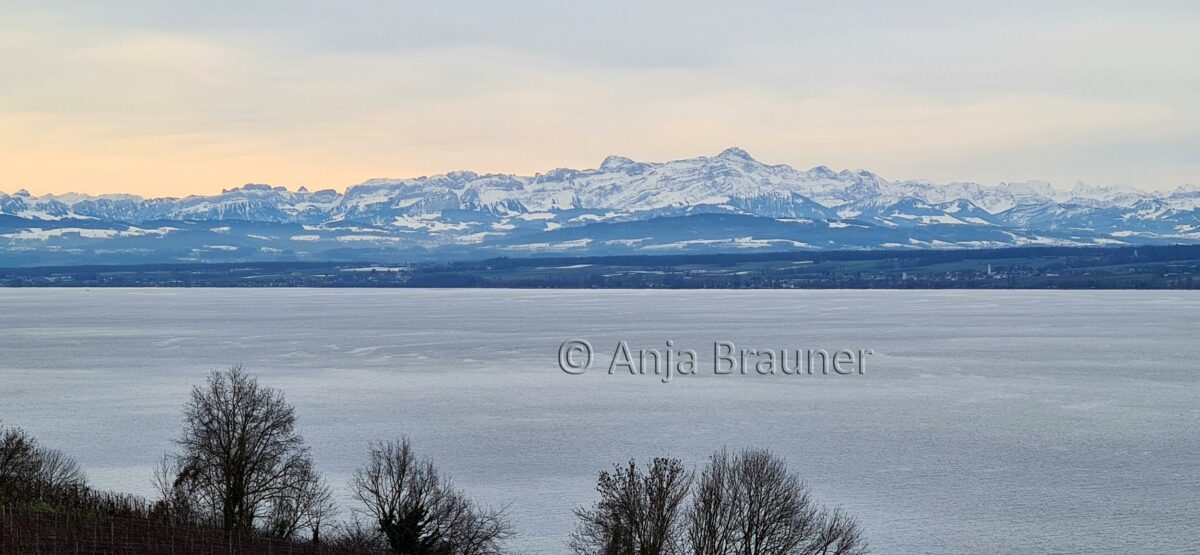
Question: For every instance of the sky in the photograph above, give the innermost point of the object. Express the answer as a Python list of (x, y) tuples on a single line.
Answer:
[(175, 98)]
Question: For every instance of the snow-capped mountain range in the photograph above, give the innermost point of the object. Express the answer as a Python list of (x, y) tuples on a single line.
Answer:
[(727, 202)]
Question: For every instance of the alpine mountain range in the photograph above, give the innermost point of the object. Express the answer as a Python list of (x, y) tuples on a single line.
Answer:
[(710, 204)]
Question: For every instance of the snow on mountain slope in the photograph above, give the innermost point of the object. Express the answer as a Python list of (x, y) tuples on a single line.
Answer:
[(464, 210)]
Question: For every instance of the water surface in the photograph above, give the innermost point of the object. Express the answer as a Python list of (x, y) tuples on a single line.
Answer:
[(987, 422)]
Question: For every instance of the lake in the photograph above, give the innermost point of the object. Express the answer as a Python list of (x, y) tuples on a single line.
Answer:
[(984, 422)]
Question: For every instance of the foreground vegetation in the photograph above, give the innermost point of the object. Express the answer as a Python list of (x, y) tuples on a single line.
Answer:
[(745, 503), (241, 480)]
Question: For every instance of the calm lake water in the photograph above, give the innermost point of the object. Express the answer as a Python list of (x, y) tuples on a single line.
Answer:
[(986, 422)]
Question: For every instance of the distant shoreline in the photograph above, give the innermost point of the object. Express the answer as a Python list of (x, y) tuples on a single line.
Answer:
[(1143, 267)]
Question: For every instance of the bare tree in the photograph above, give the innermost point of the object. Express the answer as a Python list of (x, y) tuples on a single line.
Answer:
[(750, 504), (178, 499), (240, 452), (396, 492), (776, 514), (712, 520), (639, 513), (840, 534), (305, 505), (418, 513), (59, 470), (24, 462), (18, 455), (354, 536)]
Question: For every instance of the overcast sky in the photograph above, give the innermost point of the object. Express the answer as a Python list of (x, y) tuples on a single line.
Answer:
[(161, 98)]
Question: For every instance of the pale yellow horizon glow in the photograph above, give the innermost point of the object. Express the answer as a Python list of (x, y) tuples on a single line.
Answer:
[(189, 103)]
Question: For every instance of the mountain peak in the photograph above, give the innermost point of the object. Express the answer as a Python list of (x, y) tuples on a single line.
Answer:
[(735, 153), (611, 162), (823, 172), (1184, 189)]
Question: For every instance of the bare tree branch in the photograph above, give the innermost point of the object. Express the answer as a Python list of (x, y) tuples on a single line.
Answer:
[(18, 455), (639, 513), (241, 460), (417, 512), (750, 504)]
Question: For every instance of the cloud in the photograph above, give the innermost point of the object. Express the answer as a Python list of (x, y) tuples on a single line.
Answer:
[(160, 98)]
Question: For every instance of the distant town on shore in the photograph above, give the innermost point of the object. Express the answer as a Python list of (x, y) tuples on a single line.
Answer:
[(1144, 267)]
